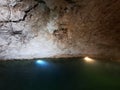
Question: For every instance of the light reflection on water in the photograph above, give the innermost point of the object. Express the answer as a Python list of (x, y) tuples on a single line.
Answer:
[(59, 74)]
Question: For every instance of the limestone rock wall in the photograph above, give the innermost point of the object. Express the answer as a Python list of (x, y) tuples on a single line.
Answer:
[(59, 28)]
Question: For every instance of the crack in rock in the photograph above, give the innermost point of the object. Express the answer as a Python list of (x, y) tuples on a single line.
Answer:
[(24, 17)]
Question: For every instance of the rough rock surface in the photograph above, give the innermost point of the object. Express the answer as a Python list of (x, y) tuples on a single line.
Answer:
[(59, 28)]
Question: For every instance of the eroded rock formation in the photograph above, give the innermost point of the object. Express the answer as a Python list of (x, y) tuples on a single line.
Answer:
[(57, 28)]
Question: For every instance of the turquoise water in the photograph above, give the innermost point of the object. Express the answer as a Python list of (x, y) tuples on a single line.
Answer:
[(59, 74)]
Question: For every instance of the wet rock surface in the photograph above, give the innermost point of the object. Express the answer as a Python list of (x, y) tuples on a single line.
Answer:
[(59, 28)]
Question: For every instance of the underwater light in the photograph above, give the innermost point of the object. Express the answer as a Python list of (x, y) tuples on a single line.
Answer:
[(88, 59), (41, 62)]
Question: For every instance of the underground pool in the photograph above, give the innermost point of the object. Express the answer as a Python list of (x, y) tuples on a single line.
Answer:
[(60, 74)]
